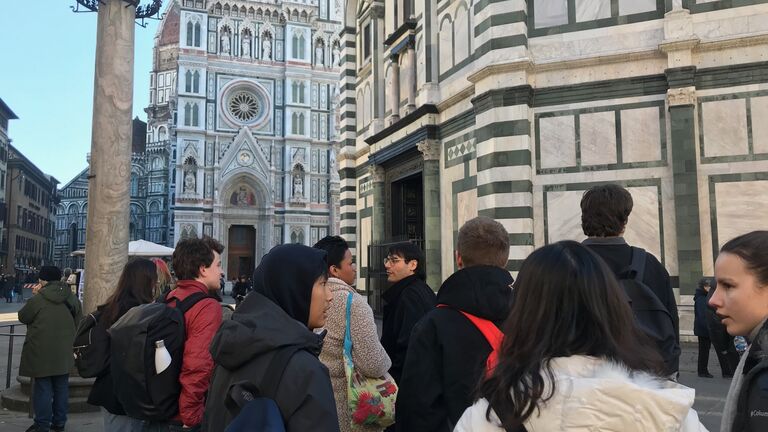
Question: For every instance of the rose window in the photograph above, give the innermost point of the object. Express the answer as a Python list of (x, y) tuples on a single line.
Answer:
[(244, 106)]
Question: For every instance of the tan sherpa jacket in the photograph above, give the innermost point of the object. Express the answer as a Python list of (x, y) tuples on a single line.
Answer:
[(368, 355)]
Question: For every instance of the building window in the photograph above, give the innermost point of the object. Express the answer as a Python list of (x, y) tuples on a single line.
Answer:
[(367, 41), (196, 82)]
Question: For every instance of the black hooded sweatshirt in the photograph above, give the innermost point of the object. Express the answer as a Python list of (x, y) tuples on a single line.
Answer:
[(447, 353), (273, 317), (405, 303)]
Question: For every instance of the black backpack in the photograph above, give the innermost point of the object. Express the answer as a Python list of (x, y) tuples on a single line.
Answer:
[(251, 406), (143, 393), (91, 347), (651, 315)]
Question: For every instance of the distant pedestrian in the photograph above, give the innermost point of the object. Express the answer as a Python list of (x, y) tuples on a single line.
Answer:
[(240, 290), (700, 329), (605, 210), (447, 352), (573, 358), (135, 287), (289, 300), (51, 316), (741, 299), (368, 356), (6, 287), (406, 301)]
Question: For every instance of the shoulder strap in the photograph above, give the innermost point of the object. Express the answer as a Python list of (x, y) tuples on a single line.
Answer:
[(638, 263), (347, 332), (189, 301), (492, 334)]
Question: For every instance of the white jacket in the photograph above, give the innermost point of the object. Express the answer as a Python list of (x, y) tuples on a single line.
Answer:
[(593, 394)]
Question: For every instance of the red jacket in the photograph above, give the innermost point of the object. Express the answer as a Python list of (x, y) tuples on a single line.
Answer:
[(201, 323)]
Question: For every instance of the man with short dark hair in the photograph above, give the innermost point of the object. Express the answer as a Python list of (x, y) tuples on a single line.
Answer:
[(51, 316), (605, 210), (405, 301), (197, 264), (447, 353)]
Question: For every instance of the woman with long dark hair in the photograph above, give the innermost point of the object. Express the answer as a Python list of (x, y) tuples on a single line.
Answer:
[(573, 359), (135, 287), (741, 301)]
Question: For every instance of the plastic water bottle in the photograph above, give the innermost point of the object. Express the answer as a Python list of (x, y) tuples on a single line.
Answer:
[(162, 357)]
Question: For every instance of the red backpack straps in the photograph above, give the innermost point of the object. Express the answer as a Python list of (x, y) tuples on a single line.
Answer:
[(492, 334)]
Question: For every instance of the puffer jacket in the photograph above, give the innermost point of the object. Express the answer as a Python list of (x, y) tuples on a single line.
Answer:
[(368, 355), (593, 394), (51, 316)]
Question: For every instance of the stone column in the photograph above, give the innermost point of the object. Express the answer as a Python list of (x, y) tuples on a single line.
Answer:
[(410, 81), (430, 149), (394, 90), (110, 168), (378, 225)]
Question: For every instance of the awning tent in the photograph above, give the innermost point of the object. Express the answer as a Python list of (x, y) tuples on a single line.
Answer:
[(140, 248)]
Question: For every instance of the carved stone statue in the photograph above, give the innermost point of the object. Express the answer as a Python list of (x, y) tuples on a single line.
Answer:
[(246, 46), (189, 182), (298, 186), (319, 55), (336, 55), (225, 46), (266, 49)]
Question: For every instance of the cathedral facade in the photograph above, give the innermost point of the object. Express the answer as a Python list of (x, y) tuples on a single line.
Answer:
[(512, 109), (244, 92)]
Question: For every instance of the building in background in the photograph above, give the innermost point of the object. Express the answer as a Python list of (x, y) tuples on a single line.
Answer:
[(5, 115), (149, 200), (244, 91), (512, 109), (31, 199)]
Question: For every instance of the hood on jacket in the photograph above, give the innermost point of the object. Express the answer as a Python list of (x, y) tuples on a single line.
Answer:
[(259, 326), (56, 292), (483, 291), (286, 276)]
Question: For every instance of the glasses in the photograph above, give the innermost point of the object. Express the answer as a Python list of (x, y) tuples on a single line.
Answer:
[(391, 260)]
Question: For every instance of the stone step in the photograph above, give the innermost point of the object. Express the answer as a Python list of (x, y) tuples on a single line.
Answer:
[(78, 387), (15, 399)]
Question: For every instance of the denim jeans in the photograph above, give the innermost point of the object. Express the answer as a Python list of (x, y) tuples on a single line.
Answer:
[(120, 423), (49, 400)]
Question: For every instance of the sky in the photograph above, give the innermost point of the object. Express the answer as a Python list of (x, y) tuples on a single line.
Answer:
[(46, 78)]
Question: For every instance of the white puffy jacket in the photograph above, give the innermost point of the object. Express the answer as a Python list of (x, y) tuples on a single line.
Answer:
[(593, 394)]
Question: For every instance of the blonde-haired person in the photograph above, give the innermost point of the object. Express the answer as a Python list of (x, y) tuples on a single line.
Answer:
[(741, 301), (368, 355), (164, 279)]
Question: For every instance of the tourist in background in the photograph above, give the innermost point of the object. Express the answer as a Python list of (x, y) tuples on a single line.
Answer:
[(573, 358), (368, 356), (164, 282), (741, 300), (136, 286), (700, 329), (51, 316), (406, 301)]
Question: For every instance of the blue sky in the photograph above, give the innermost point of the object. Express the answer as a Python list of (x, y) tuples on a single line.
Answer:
[(46, 78)]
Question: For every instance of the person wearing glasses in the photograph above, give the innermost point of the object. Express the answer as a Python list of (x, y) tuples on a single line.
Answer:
[(406, 301)]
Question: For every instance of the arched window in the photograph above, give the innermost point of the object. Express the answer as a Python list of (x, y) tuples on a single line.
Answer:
[(188, 81), (190, 33), (302, 88), (302, 54), (197, 35), (295, 45), (301, 124), (295, 91), (196, 82), (195, 115), (134, 184), (187, 114), (294, 124)]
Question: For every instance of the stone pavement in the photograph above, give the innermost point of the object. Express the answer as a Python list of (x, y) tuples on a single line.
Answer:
[(710, 392)]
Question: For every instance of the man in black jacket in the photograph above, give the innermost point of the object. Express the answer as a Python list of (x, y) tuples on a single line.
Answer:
[(605, 211), (405, 302), (447, 353)]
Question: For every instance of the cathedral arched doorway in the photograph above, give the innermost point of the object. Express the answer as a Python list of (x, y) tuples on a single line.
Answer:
[(241, 245)]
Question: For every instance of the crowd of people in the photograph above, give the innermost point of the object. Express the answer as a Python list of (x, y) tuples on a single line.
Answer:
[(586, 338)]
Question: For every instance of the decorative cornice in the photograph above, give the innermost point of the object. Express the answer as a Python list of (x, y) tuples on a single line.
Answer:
[(669, 46), (403, 122), (510, 96), (525, 64), (407, 26), (456, 98), (684, 96), (743, 41)]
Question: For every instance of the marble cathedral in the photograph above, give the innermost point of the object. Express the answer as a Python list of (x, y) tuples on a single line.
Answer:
[(512, 108), (244, 93)]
